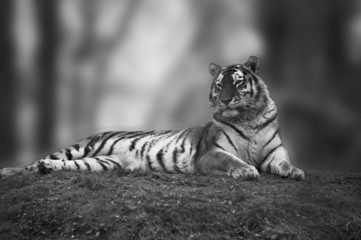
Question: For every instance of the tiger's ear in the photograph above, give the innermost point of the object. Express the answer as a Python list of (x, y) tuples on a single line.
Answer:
[(214, 69), (253, 64)]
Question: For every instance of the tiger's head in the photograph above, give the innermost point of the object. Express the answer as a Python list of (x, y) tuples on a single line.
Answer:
[(237, 90)]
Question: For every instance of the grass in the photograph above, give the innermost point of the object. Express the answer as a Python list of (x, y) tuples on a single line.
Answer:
[(119, 205)]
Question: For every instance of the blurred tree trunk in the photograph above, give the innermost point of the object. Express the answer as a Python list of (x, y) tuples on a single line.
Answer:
[(48, 27), (25, 51), (7, 83), (307, 61)]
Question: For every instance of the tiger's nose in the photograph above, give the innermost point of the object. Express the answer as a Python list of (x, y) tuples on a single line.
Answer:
[(226, 101)]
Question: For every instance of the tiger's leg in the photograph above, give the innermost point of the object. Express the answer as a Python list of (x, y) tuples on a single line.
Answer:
[(94, 164), (73, 152), (277, 161), (91, 146), (222, 162), (29, 168)]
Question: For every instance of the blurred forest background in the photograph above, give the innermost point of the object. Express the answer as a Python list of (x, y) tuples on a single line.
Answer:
[(74, 67)]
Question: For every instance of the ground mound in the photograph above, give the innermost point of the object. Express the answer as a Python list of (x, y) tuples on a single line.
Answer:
[(72, 205)]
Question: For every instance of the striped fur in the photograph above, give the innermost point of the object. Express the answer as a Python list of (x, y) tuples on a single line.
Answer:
[(242, 138)]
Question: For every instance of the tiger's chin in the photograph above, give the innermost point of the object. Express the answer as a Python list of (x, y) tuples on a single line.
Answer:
[(230, 113)]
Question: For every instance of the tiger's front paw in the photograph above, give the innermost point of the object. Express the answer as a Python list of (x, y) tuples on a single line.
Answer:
[(288, 171), (245, 173)]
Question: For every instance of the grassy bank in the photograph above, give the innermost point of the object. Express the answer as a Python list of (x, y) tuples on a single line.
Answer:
[(72, 205)]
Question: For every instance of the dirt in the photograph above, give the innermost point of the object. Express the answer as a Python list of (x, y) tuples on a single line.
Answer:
[(119, 205)]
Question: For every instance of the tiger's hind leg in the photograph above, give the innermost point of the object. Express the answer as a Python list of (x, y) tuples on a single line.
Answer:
[(69, 153), (89, 147), (94, 164)]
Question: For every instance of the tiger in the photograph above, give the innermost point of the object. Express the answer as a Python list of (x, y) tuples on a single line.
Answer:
[(241, 139)]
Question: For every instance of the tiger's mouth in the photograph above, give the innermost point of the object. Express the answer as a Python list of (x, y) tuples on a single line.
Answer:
[(229, 110), (235, 103)]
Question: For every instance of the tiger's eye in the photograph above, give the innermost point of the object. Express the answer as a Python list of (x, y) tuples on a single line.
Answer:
[(219, 85)]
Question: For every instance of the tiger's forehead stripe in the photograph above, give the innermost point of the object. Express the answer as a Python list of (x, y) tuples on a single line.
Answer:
[(237, 75)]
